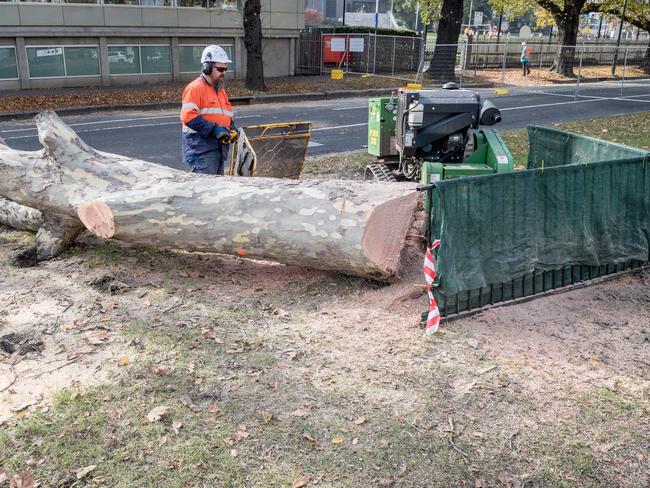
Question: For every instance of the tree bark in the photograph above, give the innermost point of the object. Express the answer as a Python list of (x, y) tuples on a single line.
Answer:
[(253, 43), (352, 227), (645, 64), (19, 216), (443, 62), (564, 61)]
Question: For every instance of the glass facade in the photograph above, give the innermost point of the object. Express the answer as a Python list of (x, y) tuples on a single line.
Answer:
[(190, 57), (124, 60), (45, 62), (156, 59), (8, 66), (81, 61)]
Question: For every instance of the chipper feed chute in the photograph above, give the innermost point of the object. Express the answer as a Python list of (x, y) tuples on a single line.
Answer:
[(272, 150)]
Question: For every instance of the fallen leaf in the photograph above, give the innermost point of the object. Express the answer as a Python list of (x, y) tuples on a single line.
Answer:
[(3, 476), (162, 441), (187, 401), (478, 434), (360, 420), (22, 406), (176, 425), (301, 481), (355, 441), (160, 370), (473, 343), (308, 437), (81, 472), (234, 452), (267, 416), (298, 413), (124, 360), (22, 480), (337, 440), (228, 441), (212, 408), (156, 413)]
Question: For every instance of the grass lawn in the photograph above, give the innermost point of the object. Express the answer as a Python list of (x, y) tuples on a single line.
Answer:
[(226, 372)]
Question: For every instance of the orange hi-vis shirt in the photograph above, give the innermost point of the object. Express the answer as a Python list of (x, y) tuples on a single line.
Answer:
[(204, 107)]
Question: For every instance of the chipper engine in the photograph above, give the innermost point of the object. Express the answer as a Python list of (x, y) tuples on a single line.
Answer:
[(434, 134)]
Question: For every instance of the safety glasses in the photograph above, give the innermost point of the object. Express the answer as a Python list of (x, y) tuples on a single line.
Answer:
[(221, 70)]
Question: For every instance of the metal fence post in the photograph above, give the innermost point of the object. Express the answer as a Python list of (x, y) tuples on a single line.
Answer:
[(368, 55), (374, 55), (539, 70), (624, 68), (463, 62), (577, 89), (322, 52), (394, 48), (503, 68)]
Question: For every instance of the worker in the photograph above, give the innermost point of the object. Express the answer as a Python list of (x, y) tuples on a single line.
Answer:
[(207, 116), (525, 58)]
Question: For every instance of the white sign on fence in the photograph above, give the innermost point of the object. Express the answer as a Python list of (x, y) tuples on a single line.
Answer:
[(525, 32), (356, 44), (478, 18), (338, 44)]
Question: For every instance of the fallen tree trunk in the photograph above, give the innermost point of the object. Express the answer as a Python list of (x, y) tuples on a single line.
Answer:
[(352, 227), (19, 216)]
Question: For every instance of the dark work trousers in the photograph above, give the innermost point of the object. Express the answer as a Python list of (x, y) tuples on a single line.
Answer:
[(524, 65), (211, 162)]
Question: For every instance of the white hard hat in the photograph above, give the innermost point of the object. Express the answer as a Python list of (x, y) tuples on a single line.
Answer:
[(523, 43), (214, 54)]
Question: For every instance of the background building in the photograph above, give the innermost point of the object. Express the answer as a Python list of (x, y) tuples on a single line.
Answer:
[(121, 42)]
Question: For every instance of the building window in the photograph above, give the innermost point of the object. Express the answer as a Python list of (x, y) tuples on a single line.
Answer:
[(45, 62), (61, 61), (190, 57), (135, 60), (124, 60), (81, 61), (8, 66), (156, 59)]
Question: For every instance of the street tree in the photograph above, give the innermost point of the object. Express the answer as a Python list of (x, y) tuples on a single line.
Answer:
[(450, 20), (636, 12), (253, 43)]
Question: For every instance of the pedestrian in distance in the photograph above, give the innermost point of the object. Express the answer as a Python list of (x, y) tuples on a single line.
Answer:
[(525, 58), (207, 116)]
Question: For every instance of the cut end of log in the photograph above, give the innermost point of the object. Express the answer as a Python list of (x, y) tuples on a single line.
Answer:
[(97, 217), (385, 234)]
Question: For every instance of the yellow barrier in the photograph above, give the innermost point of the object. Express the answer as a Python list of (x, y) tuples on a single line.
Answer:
[(414, 86), (337, 74), (501, 91)]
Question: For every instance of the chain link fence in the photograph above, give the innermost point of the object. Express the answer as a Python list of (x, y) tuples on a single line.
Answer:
[(480, 64)]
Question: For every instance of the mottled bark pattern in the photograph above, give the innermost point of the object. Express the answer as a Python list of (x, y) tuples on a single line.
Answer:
[(353, 227), (19, 216)]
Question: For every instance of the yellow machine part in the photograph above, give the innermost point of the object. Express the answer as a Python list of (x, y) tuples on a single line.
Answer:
[(271, 150)]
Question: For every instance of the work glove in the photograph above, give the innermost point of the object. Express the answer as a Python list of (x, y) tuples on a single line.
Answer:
[(233, 135), (222, 134)]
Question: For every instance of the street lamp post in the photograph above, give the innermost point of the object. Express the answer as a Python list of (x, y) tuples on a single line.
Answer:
[(618, 41)]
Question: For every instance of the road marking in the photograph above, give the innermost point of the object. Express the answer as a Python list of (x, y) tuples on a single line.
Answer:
[(80, 124), (100, 129), (349, 108), (339, 127), (314, 144), (590, 99)]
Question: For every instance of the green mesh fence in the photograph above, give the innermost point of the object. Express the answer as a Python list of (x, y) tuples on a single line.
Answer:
[(505, 236)]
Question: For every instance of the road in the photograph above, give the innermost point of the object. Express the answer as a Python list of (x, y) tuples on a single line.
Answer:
[(338, 125)]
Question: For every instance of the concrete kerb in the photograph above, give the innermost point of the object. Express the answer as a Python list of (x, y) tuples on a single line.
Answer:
[(247, 100)]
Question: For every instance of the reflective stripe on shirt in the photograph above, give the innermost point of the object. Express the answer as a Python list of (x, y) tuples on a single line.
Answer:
[(219, 111), (189, 106)]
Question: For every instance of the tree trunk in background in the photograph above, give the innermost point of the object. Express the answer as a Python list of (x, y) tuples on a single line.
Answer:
[(567, 36), (443, 62), (358, 228), (645, 64), (253, 43)]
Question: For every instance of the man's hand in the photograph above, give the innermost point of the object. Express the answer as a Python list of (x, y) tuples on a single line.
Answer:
[(233, 135), (222, 134)]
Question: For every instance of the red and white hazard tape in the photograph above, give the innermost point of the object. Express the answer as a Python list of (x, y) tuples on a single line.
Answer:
[(433, 317)]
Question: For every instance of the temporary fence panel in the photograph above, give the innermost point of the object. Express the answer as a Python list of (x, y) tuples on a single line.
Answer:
[(506, 236)]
